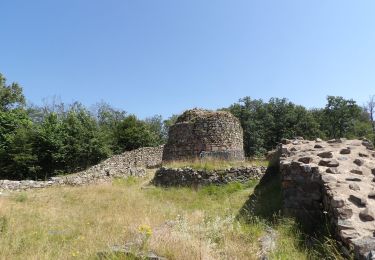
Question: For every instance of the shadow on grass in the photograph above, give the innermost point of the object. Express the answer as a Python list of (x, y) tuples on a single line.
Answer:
[(266, 200), (265, 205)]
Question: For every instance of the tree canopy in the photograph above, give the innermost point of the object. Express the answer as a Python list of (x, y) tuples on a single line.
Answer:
[(37, 142)]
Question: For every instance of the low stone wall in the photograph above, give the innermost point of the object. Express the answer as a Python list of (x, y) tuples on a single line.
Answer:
[(132, 163), (336, 178), (191, 178)]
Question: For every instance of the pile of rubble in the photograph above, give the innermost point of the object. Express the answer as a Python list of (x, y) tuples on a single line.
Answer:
[(131, 163)]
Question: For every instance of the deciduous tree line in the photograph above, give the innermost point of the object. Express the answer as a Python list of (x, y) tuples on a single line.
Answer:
[(37, 142)]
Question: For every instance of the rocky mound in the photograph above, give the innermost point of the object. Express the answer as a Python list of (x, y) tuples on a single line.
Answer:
[(335, 177)]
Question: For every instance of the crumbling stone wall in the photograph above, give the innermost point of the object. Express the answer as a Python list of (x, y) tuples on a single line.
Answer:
[(336, 178), (132, 163), (202, 133), (188, 177)]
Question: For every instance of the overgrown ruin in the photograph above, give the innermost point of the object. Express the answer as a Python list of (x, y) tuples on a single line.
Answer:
[(335, 178), (205, 134)]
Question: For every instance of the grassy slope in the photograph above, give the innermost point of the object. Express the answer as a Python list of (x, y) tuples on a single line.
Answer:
[(77, 222)]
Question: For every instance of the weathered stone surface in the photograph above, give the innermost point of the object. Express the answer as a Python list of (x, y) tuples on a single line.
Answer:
[(191, 178), (368, 145), (354, 186), (327, 154), (345, 151), (202, 133), (344, 213), (353, 179), (358, 200), (333, 170), (367, 215), (357, 171), (333, 163), (359, 162), (337, 203), (343, 196), (363, 155), (306, 159), (363, 247)]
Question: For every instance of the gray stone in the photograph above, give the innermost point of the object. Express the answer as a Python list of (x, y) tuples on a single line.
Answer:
[(345, 151), (333, 170), (337, 203), (318, 146), (357, 171), (328, 178), (325, 154), (349, 234), (359, 162), (358, 200), (306, 159), (188, 177), (332, 141), (333, 163), (344, 224), (354, 186), (363, 247), (367, 215), (344, 213), (363, 155)]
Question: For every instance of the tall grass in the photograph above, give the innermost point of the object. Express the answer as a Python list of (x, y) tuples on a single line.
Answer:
[(79, 222)]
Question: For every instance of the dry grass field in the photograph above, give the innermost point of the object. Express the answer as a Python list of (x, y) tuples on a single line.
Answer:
[(177, 223)]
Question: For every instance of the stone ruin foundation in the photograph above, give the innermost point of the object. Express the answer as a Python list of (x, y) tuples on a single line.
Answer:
[(336, 178), (205, 134)]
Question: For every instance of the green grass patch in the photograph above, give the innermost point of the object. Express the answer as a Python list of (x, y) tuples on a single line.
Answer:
[(20, 197)]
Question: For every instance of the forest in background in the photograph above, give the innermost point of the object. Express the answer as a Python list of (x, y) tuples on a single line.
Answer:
[(37, 142)]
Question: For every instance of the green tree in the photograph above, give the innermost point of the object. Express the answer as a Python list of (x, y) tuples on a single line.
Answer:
[(16, 158), (340, 116), (132, 133), (156, 126), (11, 96), (253, 117)]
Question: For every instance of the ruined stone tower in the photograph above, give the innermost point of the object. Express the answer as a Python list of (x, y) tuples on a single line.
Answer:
[(205, 134)]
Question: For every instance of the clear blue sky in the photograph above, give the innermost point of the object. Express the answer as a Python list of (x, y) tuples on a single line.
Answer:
[(163, 56)]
